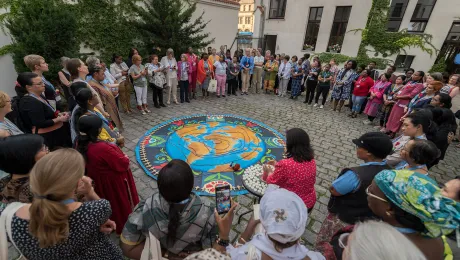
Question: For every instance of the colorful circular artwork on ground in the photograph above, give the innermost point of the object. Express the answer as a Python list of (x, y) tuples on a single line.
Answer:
[(212, 145)]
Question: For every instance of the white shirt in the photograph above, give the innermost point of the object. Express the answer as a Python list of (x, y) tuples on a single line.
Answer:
[(116, 71), (259, 59), (285, 70), (169, 64)]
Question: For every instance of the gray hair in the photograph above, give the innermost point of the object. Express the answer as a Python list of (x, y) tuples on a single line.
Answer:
[(64, 61), (436, 76), (380, 241), (168, 51), (92, 61)]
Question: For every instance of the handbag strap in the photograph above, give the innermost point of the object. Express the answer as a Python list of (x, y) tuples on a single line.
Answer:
[(5, 227)]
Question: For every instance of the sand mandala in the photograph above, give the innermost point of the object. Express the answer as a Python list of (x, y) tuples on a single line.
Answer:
[(213, 145)]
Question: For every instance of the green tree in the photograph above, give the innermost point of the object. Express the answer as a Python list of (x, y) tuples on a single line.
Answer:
[(103, 27), (43, 27), (168, 24)]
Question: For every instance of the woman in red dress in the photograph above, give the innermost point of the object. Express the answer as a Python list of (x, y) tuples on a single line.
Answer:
[(108, 166), (296, 173)]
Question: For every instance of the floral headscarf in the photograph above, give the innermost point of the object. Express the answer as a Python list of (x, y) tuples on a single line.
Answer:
[(420, 196)]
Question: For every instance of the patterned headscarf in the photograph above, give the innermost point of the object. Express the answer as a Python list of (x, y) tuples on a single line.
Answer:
[(420, 196)]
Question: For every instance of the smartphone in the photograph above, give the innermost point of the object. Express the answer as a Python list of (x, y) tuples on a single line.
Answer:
[(223, 202)]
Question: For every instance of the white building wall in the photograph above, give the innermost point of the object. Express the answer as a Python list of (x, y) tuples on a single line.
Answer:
[(223, 25), (445, 12), (291, 30), (8, 74)]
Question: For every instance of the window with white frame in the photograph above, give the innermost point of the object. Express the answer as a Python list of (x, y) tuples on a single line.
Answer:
[(421, 15)]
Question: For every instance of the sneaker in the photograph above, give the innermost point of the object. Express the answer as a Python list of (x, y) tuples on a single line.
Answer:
[(223, 95), (218, 96), (367, 122), (143, 112), (315, 105), (321, 107), (246, 93), (242, 93)]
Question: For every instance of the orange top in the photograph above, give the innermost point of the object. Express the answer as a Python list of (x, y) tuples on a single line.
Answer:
[(201, 73)]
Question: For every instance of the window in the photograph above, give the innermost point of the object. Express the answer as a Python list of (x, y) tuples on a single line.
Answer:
[(277, 9), (241, 20), (242, 8), (421, 15), (403, 62), (314, 20), (246, 8), (339, 28), (397, 10)]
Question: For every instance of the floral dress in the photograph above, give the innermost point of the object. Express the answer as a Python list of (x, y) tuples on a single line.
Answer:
[(296, 81), (342, 86)]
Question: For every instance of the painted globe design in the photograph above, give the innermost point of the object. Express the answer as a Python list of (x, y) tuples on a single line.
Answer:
[(210, 144), (214, 146)]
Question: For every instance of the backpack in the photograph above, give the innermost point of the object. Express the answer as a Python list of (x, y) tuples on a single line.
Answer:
[(14, 115)]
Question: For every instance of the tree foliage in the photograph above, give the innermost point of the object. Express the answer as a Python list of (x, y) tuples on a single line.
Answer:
[(103, 27), (385, 43), (43, 27), (168, 24)]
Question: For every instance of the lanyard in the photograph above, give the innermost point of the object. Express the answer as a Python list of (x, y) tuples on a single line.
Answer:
[(41, 100), (416, 167), (67, 201), (100, 116), (406, 230), (48, 83)]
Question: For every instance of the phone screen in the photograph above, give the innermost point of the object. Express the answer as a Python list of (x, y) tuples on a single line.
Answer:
[(223, 202)]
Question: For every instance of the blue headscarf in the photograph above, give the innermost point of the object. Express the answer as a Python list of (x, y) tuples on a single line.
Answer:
[(420, 196)]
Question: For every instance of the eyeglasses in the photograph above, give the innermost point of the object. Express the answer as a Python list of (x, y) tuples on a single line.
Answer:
[(374, 196), (343, 240)]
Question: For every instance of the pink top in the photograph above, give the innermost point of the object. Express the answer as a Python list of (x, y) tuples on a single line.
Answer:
[(297, 177)]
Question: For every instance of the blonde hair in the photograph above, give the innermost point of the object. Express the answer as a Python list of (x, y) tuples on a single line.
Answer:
[(184, 55), (33, 60), (51, 180), (136, 57), (3, 99)]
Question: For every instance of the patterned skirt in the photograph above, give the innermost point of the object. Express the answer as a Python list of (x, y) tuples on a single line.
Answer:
[(341, 92), (295, 88), (330, 226)]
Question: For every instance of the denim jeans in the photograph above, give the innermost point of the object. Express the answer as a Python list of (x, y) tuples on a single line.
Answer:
[(357, 103)]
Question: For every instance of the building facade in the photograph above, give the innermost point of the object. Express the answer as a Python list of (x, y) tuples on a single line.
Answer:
[(246, 16), (297, 26), (223, 20)]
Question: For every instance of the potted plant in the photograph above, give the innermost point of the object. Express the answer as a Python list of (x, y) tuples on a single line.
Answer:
[(335, 48), (308, 47)]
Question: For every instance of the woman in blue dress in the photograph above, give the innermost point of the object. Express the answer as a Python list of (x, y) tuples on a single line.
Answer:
[(297, 74), (342, 86)]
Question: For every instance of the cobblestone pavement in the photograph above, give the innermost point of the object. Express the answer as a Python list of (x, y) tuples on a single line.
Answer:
[(331, 134)]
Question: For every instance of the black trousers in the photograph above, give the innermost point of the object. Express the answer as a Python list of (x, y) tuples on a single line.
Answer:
[(157, 95), (232, 86), (183, 85), (311, 86), (323, 91)]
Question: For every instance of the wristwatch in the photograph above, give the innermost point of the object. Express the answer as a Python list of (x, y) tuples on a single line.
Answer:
[(222, 242)]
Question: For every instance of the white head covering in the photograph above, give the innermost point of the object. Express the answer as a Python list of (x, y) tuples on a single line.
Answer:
[(283, 215)]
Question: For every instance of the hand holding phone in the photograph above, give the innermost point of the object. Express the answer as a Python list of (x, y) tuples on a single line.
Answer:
[(223, 202)]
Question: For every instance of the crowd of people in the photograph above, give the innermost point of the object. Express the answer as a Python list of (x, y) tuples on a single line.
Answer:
[(386, 208)]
